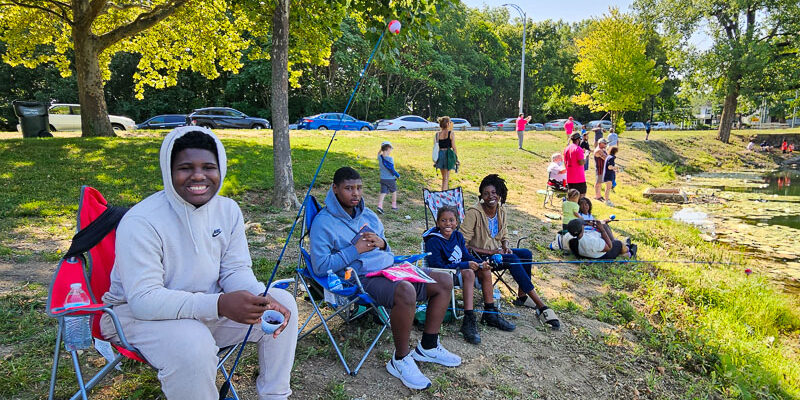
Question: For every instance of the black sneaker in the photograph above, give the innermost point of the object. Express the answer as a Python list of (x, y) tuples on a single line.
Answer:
[(380, 210), (493, 318), (633, 248), (469, 328)]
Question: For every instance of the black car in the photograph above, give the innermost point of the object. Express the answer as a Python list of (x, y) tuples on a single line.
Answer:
[(224, 117), (166, 121)]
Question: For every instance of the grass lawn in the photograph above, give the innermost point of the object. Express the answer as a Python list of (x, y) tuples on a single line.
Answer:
[(720, 333)]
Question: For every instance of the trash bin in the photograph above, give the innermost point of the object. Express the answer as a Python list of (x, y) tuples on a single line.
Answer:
[(33, 118)]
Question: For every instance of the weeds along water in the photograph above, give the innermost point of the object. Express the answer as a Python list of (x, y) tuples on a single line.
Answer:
[(737, 333)]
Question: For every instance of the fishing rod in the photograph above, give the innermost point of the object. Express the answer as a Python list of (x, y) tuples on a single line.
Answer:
[(494, 261), (394, 27), (613, 218)]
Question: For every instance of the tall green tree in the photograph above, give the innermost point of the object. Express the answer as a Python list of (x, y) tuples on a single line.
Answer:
[(755, 45), (614, 66), (85, 34)]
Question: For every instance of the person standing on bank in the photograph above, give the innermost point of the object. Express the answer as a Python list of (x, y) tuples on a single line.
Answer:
[(521, 122), (574, 159), (447, 159), (647, 127)]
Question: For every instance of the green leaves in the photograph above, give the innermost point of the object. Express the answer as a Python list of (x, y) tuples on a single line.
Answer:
[(614, 66)]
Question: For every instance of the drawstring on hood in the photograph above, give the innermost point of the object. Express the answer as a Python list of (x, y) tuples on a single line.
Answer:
[(178, 204)]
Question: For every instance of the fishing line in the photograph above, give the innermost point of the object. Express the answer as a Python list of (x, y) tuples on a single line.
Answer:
[(223, 391)]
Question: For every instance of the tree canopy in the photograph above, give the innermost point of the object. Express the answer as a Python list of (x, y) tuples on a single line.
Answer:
[(614, 65)]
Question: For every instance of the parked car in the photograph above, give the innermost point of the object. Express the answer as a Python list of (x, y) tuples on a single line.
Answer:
[(635, 126), (67, 117), (508, 124), (534, 126), (224, 117), (460, 123), (336, 121), (558, 125), (166, 121), (407, 122), (664, 126), (603, 123)]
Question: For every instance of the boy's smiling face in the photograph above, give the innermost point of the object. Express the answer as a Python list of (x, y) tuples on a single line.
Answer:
[(195, 175)]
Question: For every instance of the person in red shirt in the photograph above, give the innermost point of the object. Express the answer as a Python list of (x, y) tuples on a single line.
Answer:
[(574, 160), (521, 122), (568, 127)]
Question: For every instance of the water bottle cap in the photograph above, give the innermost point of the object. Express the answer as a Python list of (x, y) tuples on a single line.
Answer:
[(75, 286)]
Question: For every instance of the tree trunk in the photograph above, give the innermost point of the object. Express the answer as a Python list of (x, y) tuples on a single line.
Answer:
[(728, 112), (94, 113), (283, 195)]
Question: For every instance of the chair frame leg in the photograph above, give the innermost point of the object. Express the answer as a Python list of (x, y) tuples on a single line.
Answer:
[(56, 353), (302, 332), (78, 375)]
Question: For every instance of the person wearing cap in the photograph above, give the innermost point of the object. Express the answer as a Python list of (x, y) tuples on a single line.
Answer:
[(569, 126), (599, 155), (574, 159), (388, 175)]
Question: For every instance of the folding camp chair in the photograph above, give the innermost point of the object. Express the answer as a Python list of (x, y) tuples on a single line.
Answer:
[(434, 200), (92, 248), (349, 303), (550, 192)]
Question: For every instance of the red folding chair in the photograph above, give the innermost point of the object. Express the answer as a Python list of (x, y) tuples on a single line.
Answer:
[(89, 261)]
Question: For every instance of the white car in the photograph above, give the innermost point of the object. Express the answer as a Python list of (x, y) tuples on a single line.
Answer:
[(407, 122), (67, 117), (460, 123), (664, 126)]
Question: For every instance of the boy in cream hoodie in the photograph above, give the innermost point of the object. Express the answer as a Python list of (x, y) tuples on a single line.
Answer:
[(182, 284)]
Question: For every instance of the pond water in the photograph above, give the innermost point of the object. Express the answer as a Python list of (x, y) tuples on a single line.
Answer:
[(792, 221), (758, 211)]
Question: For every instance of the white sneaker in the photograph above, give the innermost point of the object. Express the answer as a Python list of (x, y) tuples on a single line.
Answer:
[(438, 355), (407, 371)]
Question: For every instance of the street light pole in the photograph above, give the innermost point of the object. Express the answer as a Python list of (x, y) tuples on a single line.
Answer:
[(522, 69)]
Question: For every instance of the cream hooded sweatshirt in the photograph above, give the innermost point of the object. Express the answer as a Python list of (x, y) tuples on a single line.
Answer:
[(174, 259)]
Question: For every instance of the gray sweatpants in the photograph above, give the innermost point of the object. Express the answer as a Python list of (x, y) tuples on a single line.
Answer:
[(520, 136), (184, 351)]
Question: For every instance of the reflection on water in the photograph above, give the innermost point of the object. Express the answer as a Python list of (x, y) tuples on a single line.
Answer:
[(792, 221), (780, 183)]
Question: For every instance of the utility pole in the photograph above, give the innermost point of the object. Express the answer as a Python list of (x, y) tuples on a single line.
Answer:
[(522, 69)]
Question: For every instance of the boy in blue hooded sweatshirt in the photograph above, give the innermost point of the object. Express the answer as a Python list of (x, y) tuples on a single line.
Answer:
[(331, 235), (448, 250)]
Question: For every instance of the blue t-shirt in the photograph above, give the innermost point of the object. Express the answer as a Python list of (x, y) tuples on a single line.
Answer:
[(494, 227)]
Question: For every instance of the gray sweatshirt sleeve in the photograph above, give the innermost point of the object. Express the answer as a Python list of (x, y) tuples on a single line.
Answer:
[(236, 272), (139, 265), (324, 255)]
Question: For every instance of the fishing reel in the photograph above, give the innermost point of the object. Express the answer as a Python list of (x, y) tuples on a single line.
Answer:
[(495, 260)]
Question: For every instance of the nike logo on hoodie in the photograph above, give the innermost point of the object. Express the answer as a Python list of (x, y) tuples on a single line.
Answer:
[(216, 232)]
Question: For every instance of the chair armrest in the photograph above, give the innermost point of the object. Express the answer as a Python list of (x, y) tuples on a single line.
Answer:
[(118, 327)]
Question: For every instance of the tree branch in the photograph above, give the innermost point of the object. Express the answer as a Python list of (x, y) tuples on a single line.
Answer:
[(95, 7), (63, 17), (142, 22)]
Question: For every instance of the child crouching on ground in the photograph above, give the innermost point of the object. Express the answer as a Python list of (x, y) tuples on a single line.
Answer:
[(388, 176), (570, 207), (448, 250)]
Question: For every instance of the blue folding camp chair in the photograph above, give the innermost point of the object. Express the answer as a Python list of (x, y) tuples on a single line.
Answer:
[(349, 303)]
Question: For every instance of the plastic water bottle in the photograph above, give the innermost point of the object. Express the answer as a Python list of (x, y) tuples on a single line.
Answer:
[(77, 329), (496, 297), (334, 283)]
